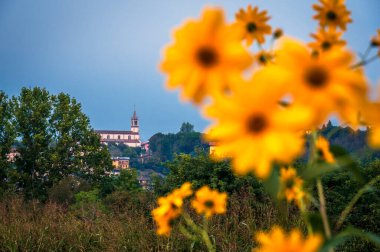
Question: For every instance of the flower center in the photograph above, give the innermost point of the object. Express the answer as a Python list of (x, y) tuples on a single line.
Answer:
[(174, 206), (320, 152), (330, 15), (251, 27), (262, 59), (171, 222), (316, 77), (209, 204), (207, 56), (256, 124), (326, 45), (289, 183)]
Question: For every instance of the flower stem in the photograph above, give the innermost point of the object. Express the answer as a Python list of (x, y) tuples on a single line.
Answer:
[(303, 212), (322, 208), (365, 62), (200, 231), (350, 205)]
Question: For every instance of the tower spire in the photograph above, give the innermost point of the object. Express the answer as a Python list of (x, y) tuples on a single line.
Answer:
[(134, 121)]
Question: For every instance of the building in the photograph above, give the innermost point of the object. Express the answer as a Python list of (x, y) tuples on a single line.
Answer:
[(11, 156), (146, 154), (120, 162), (127, 137)]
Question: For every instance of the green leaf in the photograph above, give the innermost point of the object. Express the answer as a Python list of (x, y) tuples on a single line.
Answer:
[(318, 170), (345, 161), (272, 183), (315, 220), (346, 234)]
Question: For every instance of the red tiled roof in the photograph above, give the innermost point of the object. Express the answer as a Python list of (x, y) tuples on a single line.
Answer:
[(128, 132), (120, 140)]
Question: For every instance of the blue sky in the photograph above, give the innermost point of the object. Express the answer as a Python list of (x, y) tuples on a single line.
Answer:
[(105, 53)]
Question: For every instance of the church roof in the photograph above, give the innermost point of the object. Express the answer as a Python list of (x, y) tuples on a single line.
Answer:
[(134, 117), (120, 141), (121, 132)]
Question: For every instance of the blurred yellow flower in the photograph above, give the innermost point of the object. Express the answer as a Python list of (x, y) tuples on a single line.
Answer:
[(252, 24), (184, 191), (264, 57), (291, 185), (325, 83), (170, 207), (371, 116), (278, 33), (253, 129), (206, 57), (332, 13), (276, 240), (209, 202), (215, 151), (326, 40), (323, 150), (375, 41)]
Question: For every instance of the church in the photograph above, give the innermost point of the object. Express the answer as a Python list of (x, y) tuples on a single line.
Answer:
[(127, 137)]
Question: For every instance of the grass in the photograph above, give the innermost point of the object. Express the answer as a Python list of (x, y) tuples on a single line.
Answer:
[(124, 224)]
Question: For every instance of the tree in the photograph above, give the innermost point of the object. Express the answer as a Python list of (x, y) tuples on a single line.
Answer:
[(201, 170), (126, 182), (32, 111), (164, 146), (76, 146), (56, 140), (7, 137), (186, 128)]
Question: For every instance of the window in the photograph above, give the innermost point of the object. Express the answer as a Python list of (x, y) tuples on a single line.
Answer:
[(118, 137), (108, 136), (129, 137)]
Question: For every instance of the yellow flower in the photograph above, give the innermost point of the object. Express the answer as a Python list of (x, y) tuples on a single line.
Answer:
[(278, 241), (291, 185), (253, 129), (371, 116), (252, 24), (170, 207), (323, 148), (206, 57), (184, 191), (215, 151), (264, 57), (209, 202), (326, 40), (332, 13), (375, 41), (278, 33), (325, 83)]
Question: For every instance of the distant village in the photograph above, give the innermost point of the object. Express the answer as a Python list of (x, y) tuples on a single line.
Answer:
[(130, 138)]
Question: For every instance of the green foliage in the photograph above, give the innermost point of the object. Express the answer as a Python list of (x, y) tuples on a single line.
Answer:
[(64, 191), (353, 141), (54, 141), (32, 112), (201, 170), (125, 182), (88, 205), (74, 144), (340, 187), (164, 146), (7, 137), (186, 127)]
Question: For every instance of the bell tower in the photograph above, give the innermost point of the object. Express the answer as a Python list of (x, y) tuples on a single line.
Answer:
[(135, 123)]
